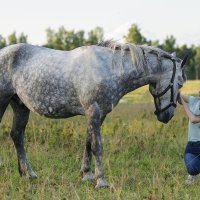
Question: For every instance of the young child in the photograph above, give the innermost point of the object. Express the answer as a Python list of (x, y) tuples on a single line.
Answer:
[(191, 106)]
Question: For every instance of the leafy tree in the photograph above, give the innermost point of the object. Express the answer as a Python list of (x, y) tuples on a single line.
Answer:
[(2, 42), (22, 38), (95, 36), (50, 35), (154, 43), (78, 39), (67, 40), (190, 51), (63, 39), (55, 39), (59, 38), (169, 44), (74, 40), (12, 38), (197, 63), (134, 35)]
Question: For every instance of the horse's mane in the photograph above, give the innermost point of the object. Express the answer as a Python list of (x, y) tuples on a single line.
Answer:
[(136, 51)]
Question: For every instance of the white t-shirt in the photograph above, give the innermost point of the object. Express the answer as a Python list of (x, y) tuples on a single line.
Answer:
[(194, 129)]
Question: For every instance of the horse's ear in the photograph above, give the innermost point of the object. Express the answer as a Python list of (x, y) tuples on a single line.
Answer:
[(173, 54), (184, 61)]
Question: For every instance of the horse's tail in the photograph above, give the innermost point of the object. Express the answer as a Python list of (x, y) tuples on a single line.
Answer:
[(7, 91)]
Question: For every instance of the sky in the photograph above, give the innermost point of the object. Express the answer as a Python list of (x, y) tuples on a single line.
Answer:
[(156, 19)]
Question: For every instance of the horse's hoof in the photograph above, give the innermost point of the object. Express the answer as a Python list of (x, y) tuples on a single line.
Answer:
[(88, 177), (32, 175), (101, 183)]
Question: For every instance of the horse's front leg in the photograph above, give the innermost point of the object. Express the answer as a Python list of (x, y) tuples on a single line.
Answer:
[(94, 127), (86, 171)]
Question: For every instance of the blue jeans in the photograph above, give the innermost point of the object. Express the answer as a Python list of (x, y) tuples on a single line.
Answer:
[(192, 158)]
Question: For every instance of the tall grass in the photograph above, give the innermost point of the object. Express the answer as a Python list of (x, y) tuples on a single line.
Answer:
[(143, 158)]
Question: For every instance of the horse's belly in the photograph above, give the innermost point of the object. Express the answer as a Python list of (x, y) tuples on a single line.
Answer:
[(52, 106), (56, 110)]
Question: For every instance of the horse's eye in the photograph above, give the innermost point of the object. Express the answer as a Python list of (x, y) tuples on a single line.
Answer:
[(152, 88), (153, 85), (180, 85), (180, 80)]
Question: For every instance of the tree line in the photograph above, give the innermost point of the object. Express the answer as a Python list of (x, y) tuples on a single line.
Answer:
[(69, 39)]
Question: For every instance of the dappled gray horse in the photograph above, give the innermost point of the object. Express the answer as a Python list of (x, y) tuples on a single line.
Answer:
[(88, 81)]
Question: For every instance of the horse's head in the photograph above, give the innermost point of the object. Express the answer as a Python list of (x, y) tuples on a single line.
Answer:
[(165, 87)]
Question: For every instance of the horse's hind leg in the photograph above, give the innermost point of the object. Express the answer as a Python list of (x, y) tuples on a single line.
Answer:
[(20, 119), (3, 105)]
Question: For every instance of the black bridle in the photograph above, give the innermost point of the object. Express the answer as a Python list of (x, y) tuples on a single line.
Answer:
[(171, 84), (170, 87)]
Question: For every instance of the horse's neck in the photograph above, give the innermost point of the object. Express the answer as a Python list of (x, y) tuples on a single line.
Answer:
[(133, 77), (131, 83)]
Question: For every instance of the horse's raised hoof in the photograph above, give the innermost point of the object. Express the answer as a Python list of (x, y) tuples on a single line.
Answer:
[(101, 183), (88, 176)]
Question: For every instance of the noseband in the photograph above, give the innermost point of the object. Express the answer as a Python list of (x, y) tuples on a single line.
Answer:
[(169, 87)]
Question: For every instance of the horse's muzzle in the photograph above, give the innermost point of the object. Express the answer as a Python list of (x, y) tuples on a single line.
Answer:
[(166, 115)]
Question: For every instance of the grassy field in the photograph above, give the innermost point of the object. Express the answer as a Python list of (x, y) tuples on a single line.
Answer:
[(142, 94), (143, 158)]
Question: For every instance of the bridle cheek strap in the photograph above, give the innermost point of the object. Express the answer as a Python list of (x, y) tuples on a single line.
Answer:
[(169, 87)]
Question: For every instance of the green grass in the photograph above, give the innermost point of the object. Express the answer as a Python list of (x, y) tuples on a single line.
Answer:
[(143, 158), (142, 95)]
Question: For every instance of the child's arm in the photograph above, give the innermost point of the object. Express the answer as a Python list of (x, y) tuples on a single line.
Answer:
[(185, 98), (193, 118)]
